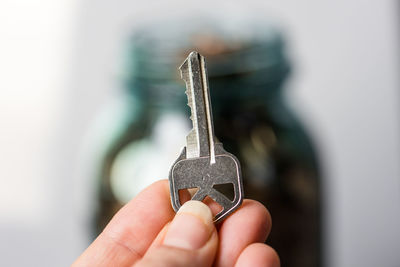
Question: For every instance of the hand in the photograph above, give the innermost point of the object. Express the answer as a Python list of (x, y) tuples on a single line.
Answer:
[(147, 232)]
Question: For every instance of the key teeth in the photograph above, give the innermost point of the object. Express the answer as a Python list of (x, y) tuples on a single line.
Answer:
[(191, 111), (190, 103), (185, 76)]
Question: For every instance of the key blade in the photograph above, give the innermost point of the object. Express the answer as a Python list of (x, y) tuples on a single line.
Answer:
[(192, 139), (200, 140)]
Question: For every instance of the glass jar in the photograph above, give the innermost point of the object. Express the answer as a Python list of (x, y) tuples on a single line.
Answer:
[(247, 68)]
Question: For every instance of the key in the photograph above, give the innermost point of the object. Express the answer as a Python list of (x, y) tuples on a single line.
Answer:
[(203, 162)]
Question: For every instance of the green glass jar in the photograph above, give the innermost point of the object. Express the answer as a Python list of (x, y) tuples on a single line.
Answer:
[(247, 68)]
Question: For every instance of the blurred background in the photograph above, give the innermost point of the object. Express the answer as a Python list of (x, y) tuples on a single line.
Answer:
[(89, 92)]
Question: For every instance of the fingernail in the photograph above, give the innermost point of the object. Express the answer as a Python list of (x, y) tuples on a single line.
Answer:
[(192, 226)]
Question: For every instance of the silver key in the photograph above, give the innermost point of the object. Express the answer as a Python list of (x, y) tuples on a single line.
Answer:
[(203, 163)]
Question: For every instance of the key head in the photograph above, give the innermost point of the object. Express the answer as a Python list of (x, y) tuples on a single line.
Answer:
[(198, 173)]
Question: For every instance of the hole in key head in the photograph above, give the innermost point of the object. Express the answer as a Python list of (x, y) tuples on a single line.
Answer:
[(186, 194), (213, 205), (226, 189)]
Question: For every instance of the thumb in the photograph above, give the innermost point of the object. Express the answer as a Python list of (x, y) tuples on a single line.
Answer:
[(190, 240)]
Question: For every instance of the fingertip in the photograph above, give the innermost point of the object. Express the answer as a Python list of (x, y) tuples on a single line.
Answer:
[(258, 254), (192, 226), (197, 209), (189, 240), (255, 214), (262, 214), (254, 221)]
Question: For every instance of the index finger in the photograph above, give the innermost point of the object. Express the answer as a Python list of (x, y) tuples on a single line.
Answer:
[(131, 231), (251, 223)]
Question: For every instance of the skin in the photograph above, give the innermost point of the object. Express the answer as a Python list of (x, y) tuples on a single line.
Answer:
[(140, 235)]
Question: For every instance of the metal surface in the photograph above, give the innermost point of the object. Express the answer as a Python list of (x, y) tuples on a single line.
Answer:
[(203, 163), (200, 141)]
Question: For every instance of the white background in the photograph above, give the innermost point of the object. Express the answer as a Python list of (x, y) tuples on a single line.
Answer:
[(59, 62)]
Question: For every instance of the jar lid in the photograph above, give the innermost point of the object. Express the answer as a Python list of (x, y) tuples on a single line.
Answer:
[(230, 47)]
